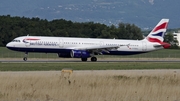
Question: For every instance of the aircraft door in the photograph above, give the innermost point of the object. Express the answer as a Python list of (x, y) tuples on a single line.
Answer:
[(61, 43), (144, 46), (27, 42), (101, 43)]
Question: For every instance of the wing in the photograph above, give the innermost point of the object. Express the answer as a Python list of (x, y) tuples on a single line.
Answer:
[(97, 49)]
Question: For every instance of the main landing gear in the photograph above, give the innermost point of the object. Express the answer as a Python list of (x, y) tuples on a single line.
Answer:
[(25, 56), (93, 59), (83, 59)]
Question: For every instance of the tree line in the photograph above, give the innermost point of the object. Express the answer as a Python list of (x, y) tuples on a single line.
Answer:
[(12, 27)]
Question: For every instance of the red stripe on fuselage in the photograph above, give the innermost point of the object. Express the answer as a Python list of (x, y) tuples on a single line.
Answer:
[(31, 39)]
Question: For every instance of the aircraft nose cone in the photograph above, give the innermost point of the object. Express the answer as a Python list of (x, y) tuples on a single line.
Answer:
[(9, 45)]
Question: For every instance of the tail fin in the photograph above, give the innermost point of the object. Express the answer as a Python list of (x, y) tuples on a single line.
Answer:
[(157, 34)]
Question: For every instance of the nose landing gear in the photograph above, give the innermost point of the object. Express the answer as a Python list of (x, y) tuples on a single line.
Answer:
[(25, 56)]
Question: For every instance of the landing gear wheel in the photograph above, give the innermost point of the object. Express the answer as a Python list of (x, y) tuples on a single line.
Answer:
[(25, 58), (84, 59), (94, 59)]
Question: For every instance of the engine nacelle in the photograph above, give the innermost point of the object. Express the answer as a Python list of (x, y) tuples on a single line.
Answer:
[(80, 54), (64, 55)]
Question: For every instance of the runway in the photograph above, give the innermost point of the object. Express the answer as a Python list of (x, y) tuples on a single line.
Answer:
[(71, 60)]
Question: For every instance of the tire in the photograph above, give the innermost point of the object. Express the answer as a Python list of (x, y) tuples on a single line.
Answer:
[(94, 59), (25, 58), (84, 59)]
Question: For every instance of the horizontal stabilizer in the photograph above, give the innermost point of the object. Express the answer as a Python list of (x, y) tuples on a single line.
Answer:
[(163, 44)]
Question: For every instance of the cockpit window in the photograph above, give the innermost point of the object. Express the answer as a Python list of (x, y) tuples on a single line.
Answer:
[(16, 41)]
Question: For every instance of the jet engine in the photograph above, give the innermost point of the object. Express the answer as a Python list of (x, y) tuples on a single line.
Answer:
[(80, 54)]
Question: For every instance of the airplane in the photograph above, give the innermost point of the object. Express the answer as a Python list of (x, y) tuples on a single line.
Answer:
[(84, 48)]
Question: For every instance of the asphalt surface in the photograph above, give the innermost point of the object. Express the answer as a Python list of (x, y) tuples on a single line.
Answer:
[(59, 60)]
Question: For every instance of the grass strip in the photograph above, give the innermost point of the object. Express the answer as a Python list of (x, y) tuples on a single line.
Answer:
[(86, 66)]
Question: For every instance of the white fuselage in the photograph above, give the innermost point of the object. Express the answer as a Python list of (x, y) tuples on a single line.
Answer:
[(65, 44), (88, 47)]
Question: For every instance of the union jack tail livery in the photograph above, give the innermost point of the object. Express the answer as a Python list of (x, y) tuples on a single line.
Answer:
[(157, 34)]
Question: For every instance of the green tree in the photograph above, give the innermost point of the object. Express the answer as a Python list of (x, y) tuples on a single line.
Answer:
[(169, 38), (12, 27)]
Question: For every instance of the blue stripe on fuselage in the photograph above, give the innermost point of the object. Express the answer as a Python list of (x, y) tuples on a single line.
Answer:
[(45, 50), (53, 50)]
